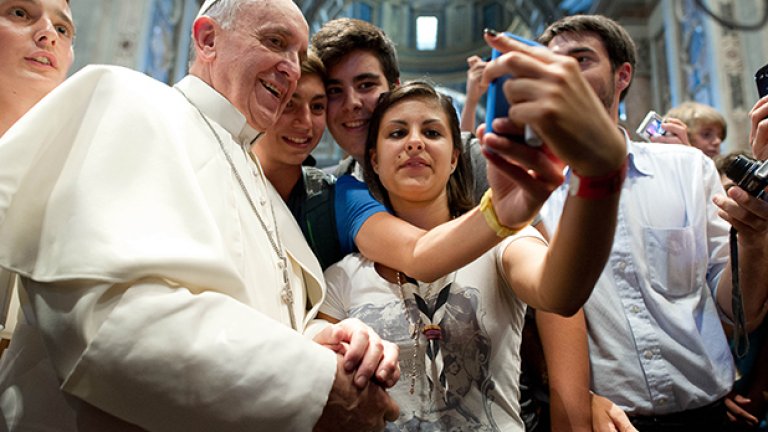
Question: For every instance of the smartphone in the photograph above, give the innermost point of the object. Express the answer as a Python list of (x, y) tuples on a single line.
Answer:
[(761, 79), (496, 104), (650, 126)]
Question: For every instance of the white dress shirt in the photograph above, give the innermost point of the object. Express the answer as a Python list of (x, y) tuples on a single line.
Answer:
[(655, 338)]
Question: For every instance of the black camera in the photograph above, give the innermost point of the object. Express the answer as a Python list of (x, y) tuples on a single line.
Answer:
[(761, 80), (749, 174)]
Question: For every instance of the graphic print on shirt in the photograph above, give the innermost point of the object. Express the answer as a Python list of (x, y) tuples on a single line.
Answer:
[(450, 369)]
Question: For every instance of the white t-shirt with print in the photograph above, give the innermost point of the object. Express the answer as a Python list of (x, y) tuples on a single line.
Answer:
[(469, 379)]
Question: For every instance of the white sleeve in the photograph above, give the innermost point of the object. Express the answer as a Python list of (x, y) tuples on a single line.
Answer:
[(166, 359), (136, 289), (339, 285)]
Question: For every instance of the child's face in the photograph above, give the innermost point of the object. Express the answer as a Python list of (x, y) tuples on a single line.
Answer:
[(708, 138)]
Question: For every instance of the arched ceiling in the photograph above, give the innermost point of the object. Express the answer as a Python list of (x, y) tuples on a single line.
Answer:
[(461, 24), (323, 10), (530, 11)]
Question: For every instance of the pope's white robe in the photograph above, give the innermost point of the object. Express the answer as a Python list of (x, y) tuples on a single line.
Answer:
[(151, 291)]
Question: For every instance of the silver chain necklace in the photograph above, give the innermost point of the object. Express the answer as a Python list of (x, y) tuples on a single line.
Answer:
[(286, 293)]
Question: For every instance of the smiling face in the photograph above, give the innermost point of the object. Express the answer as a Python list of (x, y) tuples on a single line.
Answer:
[(415, 154), (35, 46), (300, 128), (254, 64), (353, 87)]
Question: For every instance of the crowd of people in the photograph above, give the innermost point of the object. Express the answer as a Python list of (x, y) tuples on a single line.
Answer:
[(181, 266)]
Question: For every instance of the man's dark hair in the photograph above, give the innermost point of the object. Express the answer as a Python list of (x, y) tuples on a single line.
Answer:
[(618, 43), (341, 36), (722, 162)]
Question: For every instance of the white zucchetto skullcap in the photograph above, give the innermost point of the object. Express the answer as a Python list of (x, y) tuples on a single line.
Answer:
[(204, 8)]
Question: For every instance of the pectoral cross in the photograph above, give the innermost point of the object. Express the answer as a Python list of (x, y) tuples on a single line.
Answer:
[(286, 293)]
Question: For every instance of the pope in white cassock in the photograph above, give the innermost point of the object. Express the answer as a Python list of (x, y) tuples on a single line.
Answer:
[(165, 284)]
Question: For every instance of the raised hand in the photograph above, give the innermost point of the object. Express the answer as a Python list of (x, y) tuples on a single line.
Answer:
[(758, 135), (550, 94), (677, 132), (475, 85), (521, 177), (746, 213), (475, 90)]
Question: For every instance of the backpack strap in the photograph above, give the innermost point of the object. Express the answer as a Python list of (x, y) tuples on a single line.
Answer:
[(317, 217)]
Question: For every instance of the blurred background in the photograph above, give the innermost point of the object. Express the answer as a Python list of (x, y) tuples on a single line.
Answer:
[(701, 50)]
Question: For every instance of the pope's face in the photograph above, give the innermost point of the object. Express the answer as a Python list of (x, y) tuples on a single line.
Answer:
[(35, 45), (257, 61)]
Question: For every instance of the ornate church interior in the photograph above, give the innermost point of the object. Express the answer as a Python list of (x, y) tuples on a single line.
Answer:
[(188, 257), (689, 50)]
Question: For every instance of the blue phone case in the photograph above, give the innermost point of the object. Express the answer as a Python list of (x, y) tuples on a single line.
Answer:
[(496, 104)]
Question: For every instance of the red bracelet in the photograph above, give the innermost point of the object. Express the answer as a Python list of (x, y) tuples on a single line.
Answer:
[(598, 187)]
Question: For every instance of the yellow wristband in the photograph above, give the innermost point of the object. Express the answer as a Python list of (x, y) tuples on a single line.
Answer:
[(486, 207)]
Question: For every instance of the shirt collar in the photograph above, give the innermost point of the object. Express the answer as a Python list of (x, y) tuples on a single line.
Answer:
[(218, 109), (638, 160)]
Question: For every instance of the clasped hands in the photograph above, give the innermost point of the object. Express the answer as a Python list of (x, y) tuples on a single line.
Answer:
[(366, 366)]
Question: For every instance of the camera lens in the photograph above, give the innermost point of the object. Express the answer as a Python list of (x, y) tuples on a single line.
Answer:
[(739, 167)]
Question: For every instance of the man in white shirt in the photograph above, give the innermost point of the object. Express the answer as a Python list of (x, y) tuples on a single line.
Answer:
[(166, 286), (656, 344)]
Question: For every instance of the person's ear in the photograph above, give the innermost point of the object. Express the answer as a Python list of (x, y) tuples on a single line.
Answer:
[(374, 161), (454, 159), (204, 32), (623, 77)]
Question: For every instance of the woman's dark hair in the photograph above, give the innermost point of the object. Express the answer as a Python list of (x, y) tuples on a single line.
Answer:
[(460, 183)]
